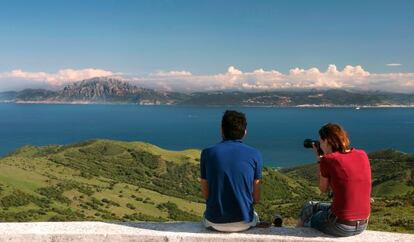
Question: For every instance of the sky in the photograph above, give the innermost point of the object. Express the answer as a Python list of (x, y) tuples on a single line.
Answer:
[(208, 45)]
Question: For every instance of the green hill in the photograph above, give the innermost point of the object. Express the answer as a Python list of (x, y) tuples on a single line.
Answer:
[(99, 180), (392, 173), (113, 180), (392, 189), (109, 180)]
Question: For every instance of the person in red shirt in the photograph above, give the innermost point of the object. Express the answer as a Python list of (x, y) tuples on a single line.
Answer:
[(347, 173)]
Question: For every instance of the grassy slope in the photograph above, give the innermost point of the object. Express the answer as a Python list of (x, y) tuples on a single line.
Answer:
[(392, 189), (64, 170), (392, 173), (113, 180)]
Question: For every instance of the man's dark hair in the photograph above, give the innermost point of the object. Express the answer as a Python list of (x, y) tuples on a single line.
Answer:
[(233, 125)]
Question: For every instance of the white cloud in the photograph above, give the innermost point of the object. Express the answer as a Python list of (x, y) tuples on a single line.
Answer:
[(393, 64), (54, 79), (171, 73), (297, 78), (355, 77), (234, 71)]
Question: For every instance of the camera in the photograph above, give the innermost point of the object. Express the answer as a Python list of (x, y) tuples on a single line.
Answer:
[(308, 143), (277, 220)]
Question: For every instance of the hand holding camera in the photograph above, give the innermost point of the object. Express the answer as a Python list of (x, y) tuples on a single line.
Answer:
[(313, 144)]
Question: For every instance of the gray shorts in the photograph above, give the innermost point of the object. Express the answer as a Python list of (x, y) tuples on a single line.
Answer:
[(231, 227)]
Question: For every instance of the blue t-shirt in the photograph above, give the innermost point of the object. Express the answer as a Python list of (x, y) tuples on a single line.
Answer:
[(230, 167)]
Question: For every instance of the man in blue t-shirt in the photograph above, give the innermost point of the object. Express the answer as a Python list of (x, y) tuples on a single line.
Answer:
[(230, 178)]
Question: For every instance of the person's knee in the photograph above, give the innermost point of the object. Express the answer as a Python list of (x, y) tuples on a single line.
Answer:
[(310, 203), (308, 207)]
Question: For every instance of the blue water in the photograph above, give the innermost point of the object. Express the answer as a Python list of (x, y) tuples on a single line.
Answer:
[(277, 132)]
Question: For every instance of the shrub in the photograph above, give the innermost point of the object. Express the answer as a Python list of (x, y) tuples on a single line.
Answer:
[(130, 206)]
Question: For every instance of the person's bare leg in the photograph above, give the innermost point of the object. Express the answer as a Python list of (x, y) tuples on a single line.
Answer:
[(299, 223)]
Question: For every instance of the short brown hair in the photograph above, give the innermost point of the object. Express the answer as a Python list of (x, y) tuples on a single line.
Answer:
[(233, 125), (336, 136)]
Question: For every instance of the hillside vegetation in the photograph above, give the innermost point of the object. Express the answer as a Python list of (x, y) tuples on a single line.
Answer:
[(107, 180), (392, 189)]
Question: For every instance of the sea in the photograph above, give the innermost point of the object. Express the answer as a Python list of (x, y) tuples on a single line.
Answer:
[(277, 132)]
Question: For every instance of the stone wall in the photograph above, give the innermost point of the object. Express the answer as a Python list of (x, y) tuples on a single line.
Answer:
[(178, 231)]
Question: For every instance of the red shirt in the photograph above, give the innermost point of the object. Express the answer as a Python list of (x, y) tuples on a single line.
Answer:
[(349, 177)]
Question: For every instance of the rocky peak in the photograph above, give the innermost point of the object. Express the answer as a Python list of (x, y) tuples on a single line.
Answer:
[(100, 87)]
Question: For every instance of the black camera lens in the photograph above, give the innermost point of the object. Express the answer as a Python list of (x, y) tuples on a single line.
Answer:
[(277, 220), (308, 143)]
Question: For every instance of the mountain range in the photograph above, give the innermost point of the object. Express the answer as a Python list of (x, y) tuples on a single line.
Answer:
[(111, 90)]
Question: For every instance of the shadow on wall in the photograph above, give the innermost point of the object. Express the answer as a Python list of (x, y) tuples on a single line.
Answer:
[(198, 228)]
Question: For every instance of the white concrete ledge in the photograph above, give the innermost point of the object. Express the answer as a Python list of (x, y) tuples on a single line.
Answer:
[(180, 231)]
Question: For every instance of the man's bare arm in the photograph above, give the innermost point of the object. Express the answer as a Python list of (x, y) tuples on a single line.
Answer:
[(256, 191), (204, 188), (323, 183)]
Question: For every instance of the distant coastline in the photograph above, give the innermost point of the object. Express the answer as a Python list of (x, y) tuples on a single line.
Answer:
[(116, 91), (207, 105)]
